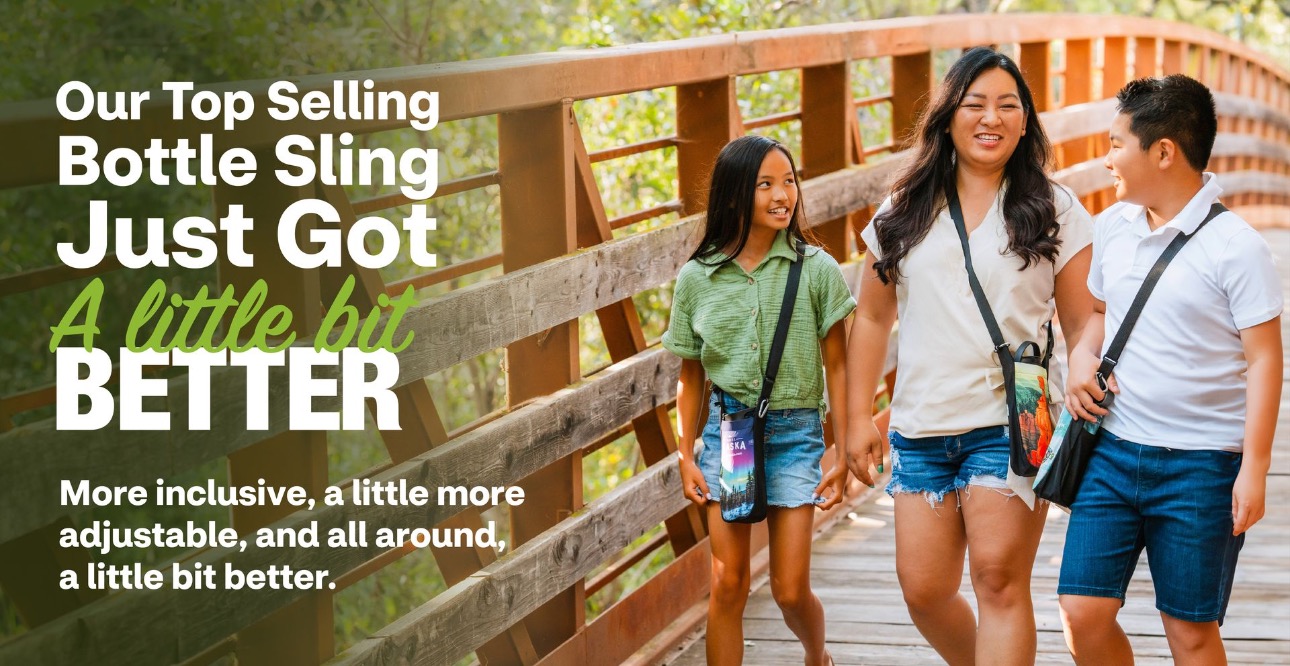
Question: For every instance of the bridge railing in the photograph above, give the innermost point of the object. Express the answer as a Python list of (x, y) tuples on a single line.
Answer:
[(560, 260)]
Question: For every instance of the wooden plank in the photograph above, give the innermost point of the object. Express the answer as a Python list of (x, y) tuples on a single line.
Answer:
[(461, 618)]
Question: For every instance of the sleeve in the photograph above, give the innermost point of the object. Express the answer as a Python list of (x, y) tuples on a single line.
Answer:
[(830, 296), (870, 235), (680, 338), (1248, 274), (1095, 278), (1076, 226)]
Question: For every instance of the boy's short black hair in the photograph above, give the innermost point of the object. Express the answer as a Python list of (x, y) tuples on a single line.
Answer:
[(1175, 107)]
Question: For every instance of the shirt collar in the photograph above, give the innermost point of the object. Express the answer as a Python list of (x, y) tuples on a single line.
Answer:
[(1190, 217), (778, 248)]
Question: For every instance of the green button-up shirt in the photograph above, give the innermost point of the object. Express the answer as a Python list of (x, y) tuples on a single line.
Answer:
[(725, 318)]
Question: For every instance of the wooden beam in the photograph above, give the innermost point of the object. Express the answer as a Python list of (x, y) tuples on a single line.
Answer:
[(911, 84), (826, 140), (1036, 67), (536, 160), (621, 327), (302, 632), (707, 118)]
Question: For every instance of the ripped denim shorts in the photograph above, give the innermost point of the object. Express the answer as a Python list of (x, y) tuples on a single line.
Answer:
[(937, 466)]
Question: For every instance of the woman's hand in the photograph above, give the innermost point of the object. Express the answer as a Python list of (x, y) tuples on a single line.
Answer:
[(693, 483), (831, 488), (864, 450)]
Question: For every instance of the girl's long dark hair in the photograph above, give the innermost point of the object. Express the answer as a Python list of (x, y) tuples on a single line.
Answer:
[(919, 192), (731, 194)]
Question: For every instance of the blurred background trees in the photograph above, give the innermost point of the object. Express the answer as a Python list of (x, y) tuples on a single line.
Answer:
[(138, 45)]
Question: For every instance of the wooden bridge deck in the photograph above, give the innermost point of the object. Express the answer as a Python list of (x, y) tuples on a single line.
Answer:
[(854, 574)]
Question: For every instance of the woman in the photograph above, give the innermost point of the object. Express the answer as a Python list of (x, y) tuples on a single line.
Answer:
[(1029, 240)]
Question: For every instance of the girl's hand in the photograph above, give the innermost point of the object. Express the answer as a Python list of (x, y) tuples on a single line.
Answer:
[(832, 486), (864, 450), (1082, 390), (692, 482)]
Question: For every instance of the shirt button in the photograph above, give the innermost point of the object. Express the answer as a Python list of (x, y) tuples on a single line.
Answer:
[(750, 280), (756, 383), (753, 312), (754, 345)]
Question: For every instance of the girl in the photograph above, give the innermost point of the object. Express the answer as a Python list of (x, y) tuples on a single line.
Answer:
[(724, 311), (1029, 243)]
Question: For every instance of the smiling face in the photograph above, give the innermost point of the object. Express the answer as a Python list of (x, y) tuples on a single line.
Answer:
[(775, 196), (1132, 167), (989, 122)]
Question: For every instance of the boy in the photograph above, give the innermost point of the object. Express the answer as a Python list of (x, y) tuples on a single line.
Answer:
[(1182, 464)]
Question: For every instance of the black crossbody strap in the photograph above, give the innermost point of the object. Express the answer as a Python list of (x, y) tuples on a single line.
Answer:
[(1140, 300), (996, 335), (781, 330)]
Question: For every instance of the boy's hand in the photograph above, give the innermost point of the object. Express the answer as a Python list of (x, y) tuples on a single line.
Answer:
[(831, 486), (693, 483), (864, 451), (1248, 495), (1082, 390)]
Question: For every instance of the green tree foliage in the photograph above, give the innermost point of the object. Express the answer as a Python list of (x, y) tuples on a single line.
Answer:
[(138, 45)]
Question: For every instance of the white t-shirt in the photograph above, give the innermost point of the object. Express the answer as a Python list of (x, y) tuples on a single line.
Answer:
[(1182, 373), (948, 379)]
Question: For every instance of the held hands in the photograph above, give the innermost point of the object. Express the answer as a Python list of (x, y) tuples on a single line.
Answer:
[(1248, 495), (864, 451), (692, 482), (831, 486), (1083, 394)]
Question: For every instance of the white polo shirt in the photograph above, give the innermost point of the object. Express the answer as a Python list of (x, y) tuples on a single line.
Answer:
[(948, 376), (1182, 373)]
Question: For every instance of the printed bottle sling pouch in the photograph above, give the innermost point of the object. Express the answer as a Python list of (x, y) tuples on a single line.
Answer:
[(743, 433), (1064, 463), (1025, 371)]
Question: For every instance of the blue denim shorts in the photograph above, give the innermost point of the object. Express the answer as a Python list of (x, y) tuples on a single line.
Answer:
[(937, 466), (1175, 504), (794, 446)]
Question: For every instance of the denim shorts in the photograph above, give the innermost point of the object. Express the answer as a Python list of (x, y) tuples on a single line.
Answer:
[(937, 466), (1175, 504), (794, 446)]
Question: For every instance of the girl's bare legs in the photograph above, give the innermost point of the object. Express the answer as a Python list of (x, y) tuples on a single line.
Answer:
[(730, 581), (790, 578), (930, 543), (1002, 535)]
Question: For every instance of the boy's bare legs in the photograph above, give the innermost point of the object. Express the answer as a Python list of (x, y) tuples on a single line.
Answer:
[(1194, 643), (1002, 536), (930, 543), (790, 578), (1093, 635), (730, 582)]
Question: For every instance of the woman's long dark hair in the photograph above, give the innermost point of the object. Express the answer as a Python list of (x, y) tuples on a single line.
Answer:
[(731, 195), (919, 192)]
